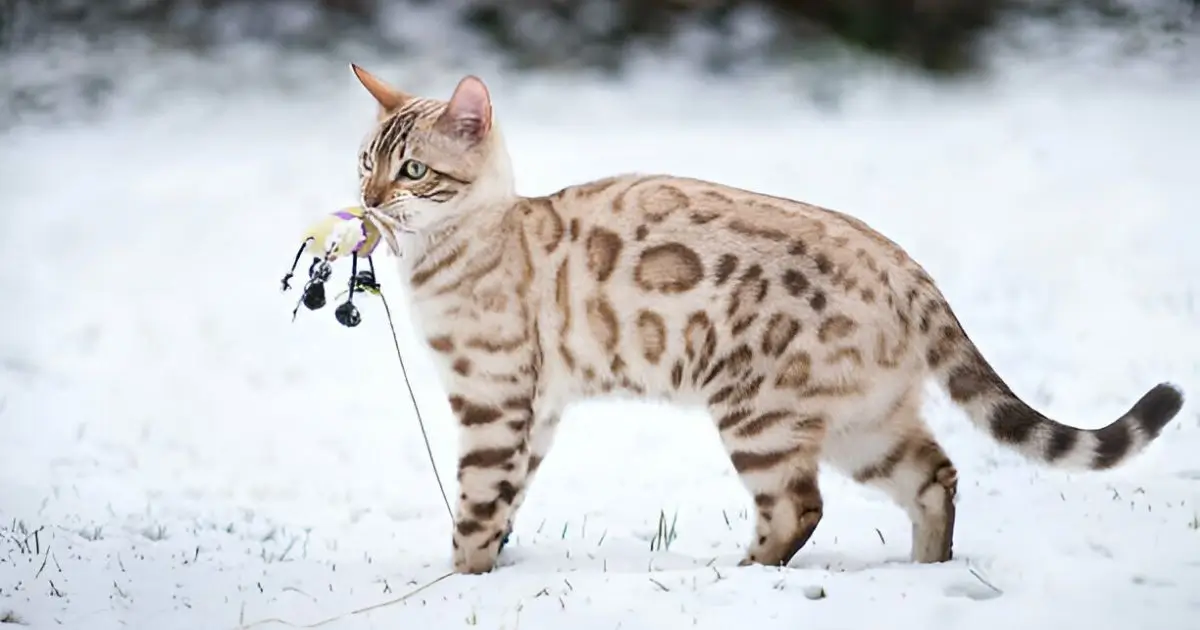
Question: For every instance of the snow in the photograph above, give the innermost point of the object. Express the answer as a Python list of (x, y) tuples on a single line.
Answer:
[(176, 454)]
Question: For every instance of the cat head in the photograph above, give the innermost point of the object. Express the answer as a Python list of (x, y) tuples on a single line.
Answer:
[(427, 161)]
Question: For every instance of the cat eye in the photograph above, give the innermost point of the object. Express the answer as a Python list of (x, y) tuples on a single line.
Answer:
[(413, 169)]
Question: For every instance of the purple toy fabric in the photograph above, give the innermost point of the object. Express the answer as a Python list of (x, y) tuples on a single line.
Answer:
[(344, 215)]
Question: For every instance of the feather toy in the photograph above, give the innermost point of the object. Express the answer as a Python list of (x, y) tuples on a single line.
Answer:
[(354, 232)]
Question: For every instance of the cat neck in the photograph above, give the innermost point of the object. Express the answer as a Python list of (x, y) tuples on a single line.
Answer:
[(477, 225)]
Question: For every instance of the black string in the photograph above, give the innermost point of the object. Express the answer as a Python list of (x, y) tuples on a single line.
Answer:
[(295, 262), (413, 398)]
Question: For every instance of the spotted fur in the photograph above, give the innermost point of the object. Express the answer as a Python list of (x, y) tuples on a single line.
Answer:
[(807, 334)]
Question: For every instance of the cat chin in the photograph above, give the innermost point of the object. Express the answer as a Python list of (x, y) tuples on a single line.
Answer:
[(418, 224), (432, 218)]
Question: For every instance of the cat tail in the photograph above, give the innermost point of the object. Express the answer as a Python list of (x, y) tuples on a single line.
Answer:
[(971, 382)]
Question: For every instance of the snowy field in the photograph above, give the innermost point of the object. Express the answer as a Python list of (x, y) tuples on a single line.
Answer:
[(176, 455)]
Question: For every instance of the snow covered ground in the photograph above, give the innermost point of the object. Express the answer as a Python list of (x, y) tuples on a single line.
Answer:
[(176, 455)]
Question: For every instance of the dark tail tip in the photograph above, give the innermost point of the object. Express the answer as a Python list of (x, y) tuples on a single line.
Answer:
[(1157, 407)]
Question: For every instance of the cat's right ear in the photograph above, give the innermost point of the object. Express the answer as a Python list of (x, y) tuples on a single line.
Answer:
[(389, 98)]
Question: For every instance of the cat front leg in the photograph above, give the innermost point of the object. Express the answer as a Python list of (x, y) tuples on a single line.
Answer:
[(493, 461), (547, 411)]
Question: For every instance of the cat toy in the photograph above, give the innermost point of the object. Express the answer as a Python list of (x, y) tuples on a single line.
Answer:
[(355, 232), (352, 232)]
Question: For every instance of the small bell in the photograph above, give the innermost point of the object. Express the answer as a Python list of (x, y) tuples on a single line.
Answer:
[(365, 282), (347, 314), (314, 296)]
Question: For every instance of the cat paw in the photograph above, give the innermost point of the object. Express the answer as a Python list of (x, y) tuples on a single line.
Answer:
[(476, 553), (473, 561)]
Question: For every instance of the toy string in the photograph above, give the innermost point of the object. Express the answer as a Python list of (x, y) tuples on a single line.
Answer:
[(319, 273), (416, 408), (359, 611), (420, 422)]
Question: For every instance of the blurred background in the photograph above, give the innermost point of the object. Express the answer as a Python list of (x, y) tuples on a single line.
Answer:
[(87, 42), (159, 158)]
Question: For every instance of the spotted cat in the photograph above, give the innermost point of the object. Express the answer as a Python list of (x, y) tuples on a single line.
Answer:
[(806, 334)]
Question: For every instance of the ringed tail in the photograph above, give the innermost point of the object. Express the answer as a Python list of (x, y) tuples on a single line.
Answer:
[(975, 387)]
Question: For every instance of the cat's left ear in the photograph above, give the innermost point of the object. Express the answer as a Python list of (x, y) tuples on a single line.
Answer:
[(469, 113), (389, 98)]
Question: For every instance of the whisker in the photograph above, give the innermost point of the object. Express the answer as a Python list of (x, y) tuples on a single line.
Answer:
[(388, 226)]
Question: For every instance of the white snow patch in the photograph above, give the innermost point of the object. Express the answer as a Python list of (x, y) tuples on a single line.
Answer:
[(175, 454)]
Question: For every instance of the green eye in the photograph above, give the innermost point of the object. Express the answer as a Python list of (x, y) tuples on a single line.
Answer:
[(413, 169)]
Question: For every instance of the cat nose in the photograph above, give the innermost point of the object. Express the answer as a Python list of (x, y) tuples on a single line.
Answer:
[(372, 199)]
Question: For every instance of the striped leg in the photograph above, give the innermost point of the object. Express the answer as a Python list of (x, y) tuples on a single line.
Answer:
[(541, 438), (491, 470), (901, 457), (774, 448)]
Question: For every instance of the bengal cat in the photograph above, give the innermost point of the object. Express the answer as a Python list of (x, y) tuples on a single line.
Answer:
[(805, 333)]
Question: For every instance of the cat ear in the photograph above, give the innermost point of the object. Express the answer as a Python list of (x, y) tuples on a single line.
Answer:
[(388, 97), (469, 114)]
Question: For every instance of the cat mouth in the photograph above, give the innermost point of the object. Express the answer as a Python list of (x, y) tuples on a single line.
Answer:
[(390, 219), (390, 223)]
